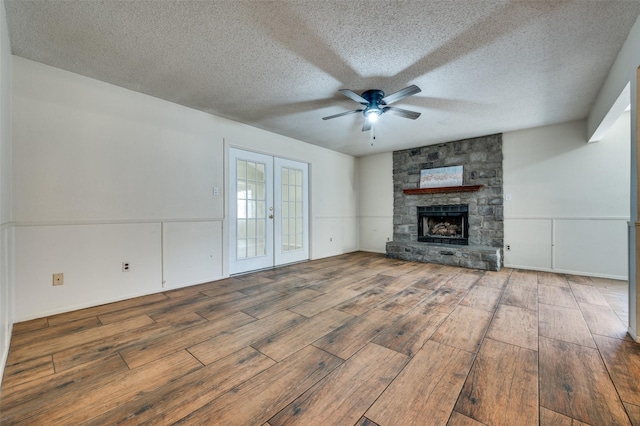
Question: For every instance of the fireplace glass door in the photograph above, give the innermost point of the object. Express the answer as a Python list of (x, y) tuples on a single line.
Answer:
[(444, 224)]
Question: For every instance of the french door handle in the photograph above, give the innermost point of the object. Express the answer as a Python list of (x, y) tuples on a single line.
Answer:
[(270, 216)]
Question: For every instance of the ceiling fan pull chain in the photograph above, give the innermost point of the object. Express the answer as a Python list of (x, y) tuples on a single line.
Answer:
[(373, 133)]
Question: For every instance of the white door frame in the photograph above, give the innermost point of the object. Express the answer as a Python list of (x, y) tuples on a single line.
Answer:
[(273, 214)]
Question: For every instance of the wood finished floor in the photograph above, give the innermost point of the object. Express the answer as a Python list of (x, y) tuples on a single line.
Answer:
[(356, 339)]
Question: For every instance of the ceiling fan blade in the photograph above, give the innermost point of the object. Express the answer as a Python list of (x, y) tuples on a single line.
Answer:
[(395, 97), (403, 112), (353, 95), (366, 126), (342, 113)]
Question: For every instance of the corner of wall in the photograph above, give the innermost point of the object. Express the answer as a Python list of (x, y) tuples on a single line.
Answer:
[(618, 107), (622, 72), (357, 181), (374, 175), (6, 226)]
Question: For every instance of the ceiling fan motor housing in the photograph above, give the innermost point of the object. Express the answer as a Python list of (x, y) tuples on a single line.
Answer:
[(374, 97)]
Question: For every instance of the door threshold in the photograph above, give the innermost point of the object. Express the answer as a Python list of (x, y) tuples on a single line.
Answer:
[(238, 274)]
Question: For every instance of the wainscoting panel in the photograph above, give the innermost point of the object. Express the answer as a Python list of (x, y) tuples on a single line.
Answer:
[(6, 292), (90, 256), (332, 236), (192, 252), (527, 243), (374, 232), (591, 247), (585, 246)]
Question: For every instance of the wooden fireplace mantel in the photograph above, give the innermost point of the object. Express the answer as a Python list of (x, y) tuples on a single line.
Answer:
[(462, 188)]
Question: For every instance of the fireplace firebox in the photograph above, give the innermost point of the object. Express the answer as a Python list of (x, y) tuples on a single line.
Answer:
[(444, 224)]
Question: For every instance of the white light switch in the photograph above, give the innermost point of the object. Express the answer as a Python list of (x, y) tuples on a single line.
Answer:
[(507, 197)]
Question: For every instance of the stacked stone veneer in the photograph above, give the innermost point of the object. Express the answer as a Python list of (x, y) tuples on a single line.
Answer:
[(482, 161)]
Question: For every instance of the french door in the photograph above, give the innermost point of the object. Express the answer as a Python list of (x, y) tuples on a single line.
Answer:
[(268, 211)]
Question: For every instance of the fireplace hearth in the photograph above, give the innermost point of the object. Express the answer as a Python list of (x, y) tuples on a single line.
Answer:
[(444, 224)]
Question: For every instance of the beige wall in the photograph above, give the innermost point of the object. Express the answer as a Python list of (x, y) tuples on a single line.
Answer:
[(561, 188), (569, 202), (6, 227), (624, 71), (105, 175), (375, 201)]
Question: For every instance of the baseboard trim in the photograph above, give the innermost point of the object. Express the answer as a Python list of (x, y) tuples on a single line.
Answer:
[(373, 251), (566, 271), (179, 286)]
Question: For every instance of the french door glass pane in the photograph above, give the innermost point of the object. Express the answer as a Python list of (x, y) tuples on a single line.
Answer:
[(251, 213), (251, 170), (242, 248), (251, 228), (291, 209), (251, 247)]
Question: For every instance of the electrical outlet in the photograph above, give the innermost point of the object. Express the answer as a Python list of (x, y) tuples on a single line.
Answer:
[(58, 279), (125, 266)]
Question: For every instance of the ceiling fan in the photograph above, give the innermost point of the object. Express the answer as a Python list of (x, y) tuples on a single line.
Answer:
[(376, 103)]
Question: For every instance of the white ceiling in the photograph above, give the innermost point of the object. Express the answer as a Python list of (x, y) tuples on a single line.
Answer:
[(484, 66)]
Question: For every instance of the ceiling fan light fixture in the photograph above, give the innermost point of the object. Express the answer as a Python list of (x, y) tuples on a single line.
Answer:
[(373, 115)]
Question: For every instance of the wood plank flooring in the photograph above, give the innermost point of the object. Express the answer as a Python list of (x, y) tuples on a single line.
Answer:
[(356, 339)]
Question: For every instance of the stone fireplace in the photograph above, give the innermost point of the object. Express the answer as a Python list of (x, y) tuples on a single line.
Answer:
[(459, 226)]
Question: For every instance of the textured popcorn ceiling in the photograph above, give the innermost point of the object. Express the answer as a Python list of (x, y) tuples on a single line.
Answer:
[(484, 66)]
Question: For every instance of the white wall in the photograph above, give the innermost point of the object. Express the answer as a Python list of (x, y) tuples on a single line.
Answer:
[(562, 190), (625, 71), (570, 199), (104, 175), (375, 201), (6, 227)]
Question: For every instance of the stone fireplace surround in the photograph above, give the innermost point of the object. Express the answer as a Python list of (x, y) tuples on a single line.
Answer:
[(482, 161)]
